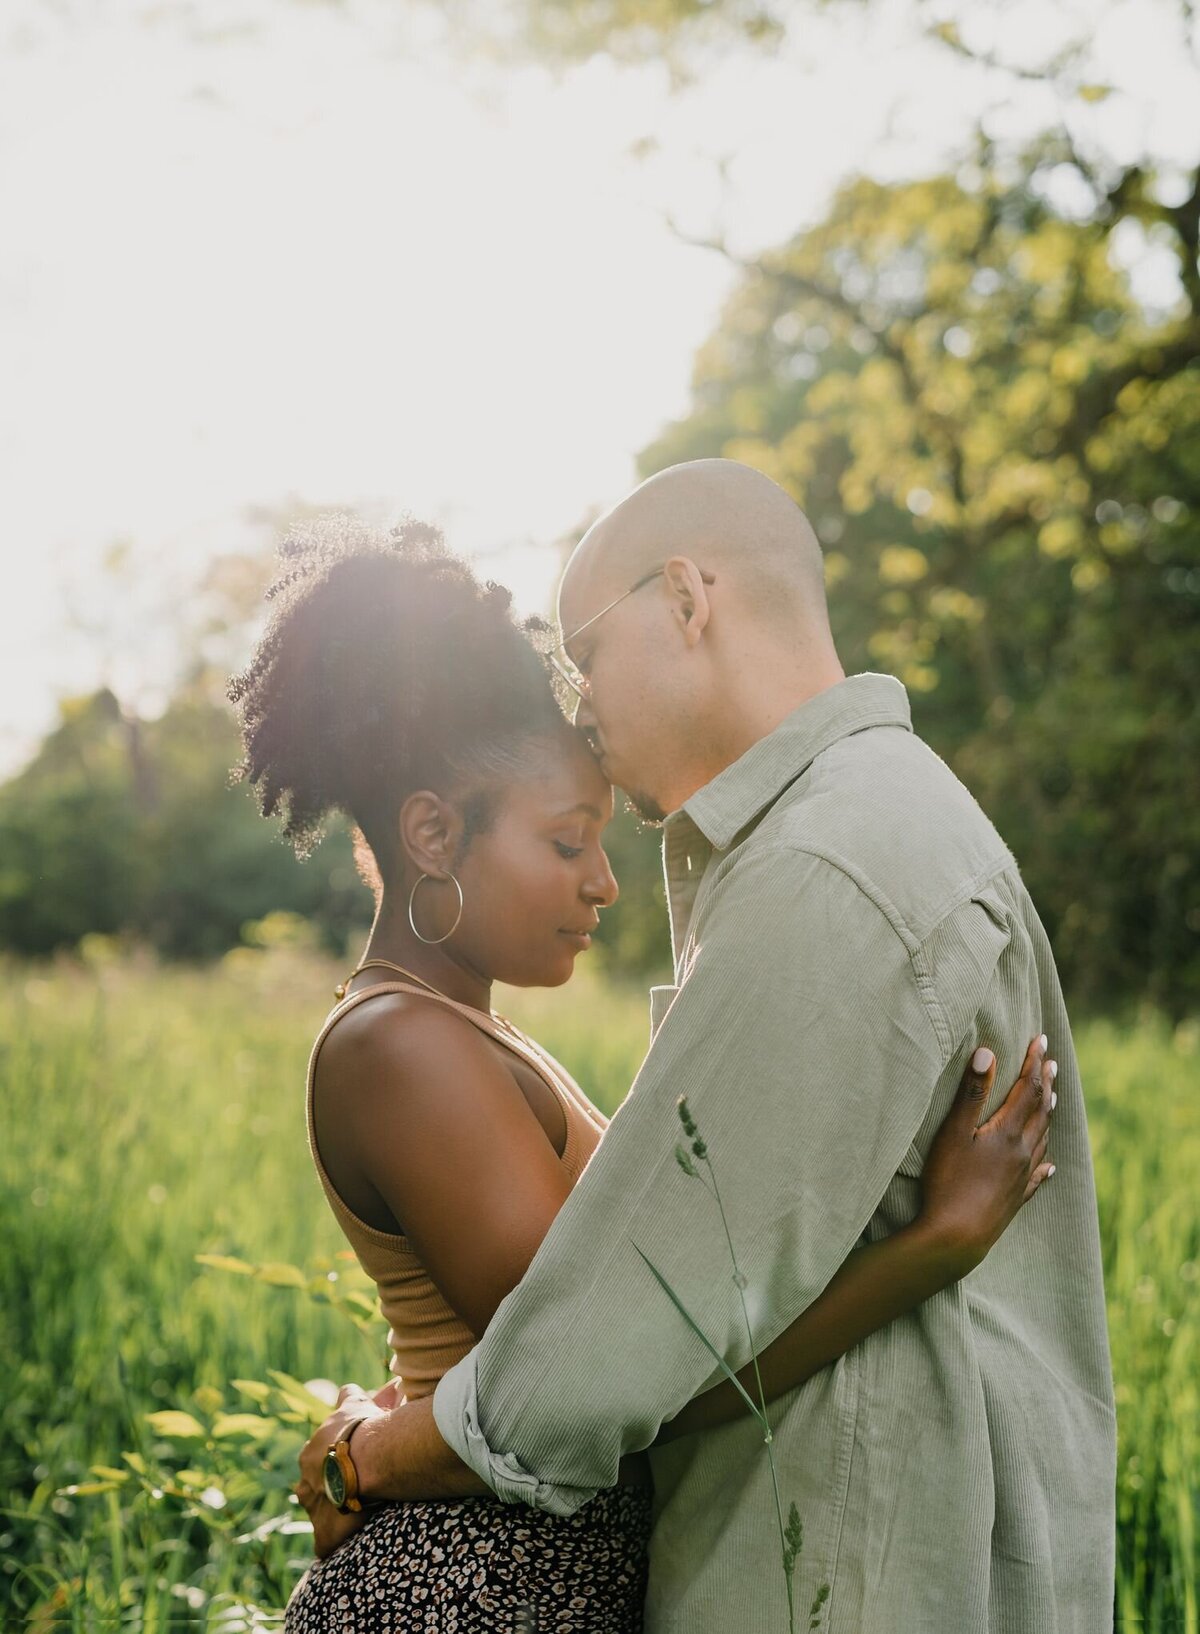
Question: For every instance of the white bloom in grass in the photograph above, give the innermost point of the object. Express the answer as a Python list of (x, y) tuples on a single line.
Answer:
[(323, 1389)]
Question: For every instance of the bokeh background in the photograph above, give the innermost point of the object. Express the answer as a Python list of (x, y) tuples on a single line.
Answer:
[(931, 264)]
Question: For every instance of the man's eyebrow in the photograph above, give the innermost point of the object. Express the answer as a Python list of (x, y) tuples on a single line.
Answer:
[(584, 806)]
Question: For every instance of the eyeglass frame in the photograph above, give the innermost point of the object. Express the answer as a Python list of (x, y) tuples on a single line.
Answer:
[(561, 668)]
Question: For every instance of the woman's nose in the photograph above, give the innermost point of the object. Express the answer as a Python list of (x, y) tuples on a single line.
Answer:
[(602, 889)]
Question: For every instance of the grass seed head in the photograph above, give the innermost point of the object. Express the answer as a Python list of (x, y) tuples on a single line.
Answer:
[(685, 1162)]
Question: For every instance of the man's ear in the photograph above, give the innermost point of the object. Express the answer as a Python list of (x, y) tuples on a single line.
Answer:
[(686, 588), (430, 829)]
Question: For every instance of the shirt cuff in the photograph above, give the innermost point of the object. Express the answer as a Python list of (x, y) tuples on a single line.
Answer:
[(456, 1414)]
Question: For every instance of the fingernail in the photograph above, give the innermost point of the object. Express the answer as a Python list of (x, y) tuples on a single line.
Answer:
[(1052, 1069), (982, 1059), (1053, 1099), (1051, 1170), (1043, 1043)]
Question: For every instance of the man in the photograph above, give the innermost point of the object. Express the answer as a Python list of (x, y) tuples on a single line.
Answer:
[(846, 925)]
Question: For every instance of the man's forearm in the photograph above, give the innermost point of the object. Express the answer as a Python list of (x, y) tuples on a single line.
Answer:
[(401, 1456)]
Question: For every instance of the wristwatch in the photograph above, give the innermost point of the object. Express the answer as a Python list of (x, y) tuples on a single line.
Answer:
[(339, 1474)]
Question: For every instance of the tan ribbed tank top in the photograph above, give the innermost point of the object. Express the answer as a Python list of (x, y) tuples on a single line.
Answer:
[(427, 1337)]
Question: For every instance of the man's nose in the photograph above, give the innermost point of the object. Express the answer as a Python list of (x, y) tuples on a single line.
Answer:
[(582, 716)]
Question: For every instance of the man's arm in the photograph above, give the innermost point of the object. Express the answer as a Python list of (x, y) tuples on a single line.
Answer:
[(402, 1455), (809, 1055), (975, 1180)]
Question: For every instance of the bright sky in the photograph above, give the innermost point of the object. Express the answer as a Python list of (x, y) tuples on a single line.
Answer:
[(316, 256)]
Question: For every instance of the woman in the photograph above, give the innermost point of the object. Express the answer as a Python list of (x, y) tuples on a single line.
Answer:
[(391, 686)]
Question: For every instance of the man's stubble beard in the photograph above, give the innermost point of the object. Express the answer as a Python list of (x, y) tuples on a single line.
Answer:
[(645, 807)]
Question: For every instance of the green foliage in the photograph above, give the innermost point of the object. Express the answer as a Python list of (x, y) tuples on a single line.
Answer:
[(151, 1117), (127, 827), (1144, 1120), (998, 447), (68, 836), (640, 30), (692, 36)]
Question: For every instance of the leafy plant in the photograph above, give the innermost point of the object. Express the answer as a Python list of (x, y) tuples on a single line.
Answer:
[(224, 1461)]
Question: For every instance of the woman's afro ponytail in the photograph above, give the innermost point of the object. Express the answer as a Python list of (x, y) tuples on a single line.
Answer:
[(385, 666)]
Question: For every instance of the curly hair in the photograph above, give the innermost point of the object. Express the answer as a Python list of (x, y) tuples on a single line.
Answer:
[(385, 667)]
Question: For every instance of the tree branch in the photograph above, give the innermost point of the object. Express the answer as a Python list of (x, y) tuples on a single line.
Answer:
[(947, 34), (1186, 220)]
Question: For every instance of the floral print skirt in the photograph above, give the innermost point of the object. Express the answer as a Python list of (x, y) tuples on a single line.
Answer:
[(479, 1566)]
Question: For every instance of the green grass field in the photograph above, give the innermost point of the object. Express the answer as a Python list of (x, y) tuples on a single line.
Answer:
[(150, 1116)]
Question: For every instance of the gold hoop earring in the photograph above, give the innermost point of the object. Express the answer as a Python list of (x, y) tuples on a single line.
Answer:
[(432, 941)]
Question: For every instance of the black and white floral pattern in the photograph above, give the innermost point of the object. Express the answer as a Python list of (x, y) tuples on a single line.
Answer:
[(480, 1566)]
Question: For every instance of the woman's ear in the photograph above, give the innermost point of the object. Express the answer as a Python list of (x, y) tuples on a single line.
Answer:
[(430, 830), (685, 585)]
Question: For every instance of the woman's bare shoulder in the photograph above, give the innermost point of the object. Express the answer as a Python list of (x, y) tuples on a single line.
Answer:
[(397, 1037)]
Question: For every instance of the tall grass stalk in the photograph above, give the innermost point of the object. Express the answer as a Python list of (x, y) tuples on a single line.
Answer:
[(791, 1534)]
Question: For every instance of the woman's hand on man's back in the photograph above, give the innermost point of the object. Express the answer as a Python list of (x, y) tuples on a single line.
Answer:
[(977, 1177)]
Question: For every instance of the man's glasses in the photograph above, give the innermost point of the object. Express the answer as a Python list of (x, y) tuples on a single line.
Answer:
[(575, 678)]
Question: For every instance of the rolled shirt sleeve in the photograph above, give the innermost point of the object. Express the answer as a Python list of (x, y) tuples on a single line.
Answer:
[(808, 1046)]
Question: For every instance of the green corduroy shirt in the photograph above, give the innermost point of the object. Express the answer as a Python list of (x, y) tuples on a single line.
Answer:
[(847, 928)]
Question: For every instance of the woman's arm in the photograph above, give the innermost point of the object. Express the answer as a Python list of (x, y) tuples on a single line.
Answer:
[(973, 1184), (416, 1108)]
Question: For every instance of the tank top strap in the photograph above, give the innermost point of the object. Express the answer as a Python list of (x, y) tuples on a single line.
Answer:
[(564, 1090)]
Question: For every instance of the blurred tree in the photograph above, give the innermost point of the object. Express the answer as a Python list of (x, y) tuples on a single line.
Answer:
[(69, 861), (693, 34), (998, 444), (216, 863), (128, 827), (998, 436), (995, 432), (677, 31)]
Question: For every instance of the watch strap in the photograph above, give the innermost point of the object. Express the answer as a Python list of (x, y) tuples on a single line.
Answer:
[(352, 1502)]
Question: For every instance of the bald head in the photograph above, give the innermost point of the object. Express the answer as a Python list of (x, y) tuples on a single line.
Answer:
[(695, 614), (722, 515)]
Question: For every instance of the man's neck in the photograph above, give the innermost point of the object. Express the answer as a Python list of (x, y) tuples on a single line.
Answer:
[(757, 708)]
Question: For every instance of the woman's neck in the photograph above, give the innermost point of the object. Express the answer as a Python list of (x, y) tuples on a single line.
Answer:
[(392, 939)]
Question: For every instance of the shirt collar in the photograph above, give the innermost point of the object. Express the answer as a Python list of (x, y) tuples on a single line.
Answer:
[(724, 806)]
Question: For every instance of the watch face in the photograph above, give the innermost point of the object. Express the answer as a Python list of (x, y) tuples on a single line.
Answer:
[(335, 1481)]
